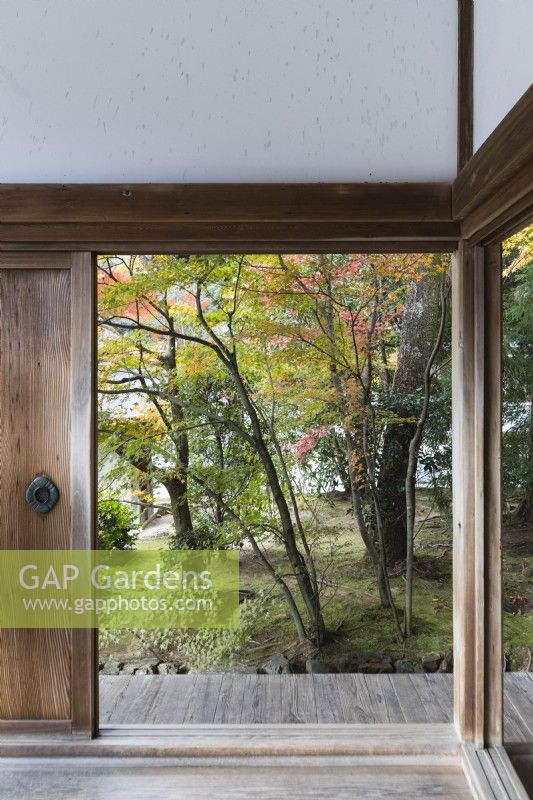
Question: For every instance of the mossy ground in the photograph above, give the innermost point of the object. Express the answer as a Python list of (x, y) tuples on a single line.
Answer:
[(354, 618)]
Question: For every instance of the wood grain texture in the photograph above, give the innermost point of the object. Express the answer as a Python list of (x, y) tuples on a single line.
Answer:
[(465, 83), (233, 237), (264, 781), (523, 765), (491, 774), (498, 161), (83, 476), (402, 240), (492, 501), (29, 260), (502, 213), (476, 405), (275, 699), (34, 439), (227, 741), (221, 203)]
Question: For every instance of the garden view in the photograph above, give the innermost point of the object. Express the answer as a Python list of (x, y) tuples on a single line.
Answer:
[(297, 408)]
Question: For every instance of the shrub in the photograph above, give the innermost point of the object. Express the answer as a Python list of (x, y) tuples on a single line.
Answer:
[(116, 525), (207, 649)]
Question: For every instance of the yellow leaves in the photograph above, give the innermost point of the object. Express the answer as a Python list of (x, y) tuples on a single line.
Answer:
[(519, 250)]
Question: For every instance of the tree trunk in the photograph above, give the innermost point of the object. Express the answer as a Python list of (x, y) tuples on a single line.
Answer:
[(305, 584), (181, 514), (219, 499), (177, 484), (524, 512), (416, 341)]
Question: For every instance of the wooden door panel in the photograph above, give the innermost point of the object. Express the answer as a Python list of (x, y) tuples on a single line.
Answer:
[(40, 423)]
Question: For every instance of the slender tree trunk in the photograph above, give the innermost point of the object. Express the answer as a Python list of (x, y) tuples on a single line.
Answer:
[(416, 340), (352, 457), (287, 594), (524, 511), (414, 448), (298, 563), (219, 499), (177, 484)]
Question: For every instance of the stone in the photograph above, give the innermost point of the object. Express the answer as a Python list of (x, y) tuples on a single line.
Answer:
[(138, 667), (366, 661), (446, 665), (169, 668), (112, 668), (316, 667), (407, 665), (246, 594), (277, 665), (431, 662)]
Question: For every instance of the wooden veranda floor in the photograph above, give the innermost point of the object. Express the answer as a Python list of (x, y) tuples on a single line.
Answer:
[(278, 699)]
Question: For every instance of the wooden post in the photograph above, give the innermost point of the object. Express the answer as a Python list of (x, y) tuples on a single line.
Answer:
[(476, 398), (84, 661)]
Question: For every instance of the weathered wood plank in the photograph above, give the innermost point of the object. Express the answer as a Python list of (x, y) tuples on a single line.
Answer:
[(385, 699), (258, 699), (520, 691), (409, 699), (355, 702), (298, 699), (65, 779), (208, 741), (441, 688), (428, 698), (328, 702), (228, 708), (204, 700), (273, 709)]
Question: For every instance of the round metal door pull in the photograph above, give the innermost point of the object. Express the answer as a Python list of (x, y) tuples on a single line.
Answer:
[(42, 494)]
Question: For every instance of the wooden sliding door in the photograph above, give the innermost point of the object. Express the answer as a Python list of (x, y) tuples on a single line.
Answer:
[(47, 676)]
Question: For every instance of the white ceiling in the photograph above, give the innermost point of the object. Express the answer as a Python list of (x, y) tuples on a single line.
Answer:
[(503, 60), (228, 90)]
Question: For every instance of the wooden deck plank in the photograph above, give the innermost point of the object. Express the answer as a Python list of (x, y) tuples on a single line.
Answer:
[(327, 697), (202, 707), (384, 697), (135, 704), (117, 698), (174, 699), (168, 696), (520, 693), (298, 699), (514, 730), (355, 702), (229, 704), (517, 716), (272, 688), (273, 699), (409, 699), (441, 687), (428, 698)]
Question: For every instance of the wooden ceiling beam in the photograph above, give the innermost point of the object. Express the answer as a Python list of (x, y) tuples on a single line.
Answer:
[(225, 203), (499, 161)]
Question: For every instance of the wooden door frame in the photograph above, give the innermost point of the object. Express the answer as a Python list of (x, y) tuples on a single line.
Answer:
[(491, 197)]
